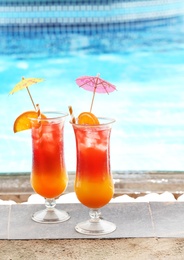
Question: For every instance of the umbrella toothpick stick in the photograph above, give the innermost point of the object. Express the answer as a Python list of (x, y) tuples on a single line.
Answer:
[(94, 91), (31, 98), (93, 99)]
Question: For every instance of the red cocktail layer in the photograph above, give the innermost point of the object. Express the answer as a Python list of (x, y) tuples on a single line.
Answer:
[(49, 177), (94, 185)]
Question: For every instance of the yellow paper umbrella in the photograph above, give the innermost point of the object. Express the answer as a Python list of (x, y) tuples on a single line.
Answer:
[(25, 83)]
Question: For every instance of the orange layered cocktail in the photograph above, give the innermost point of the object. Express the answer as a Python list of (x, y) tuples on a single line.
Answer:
[(49, 177), (93, 184)]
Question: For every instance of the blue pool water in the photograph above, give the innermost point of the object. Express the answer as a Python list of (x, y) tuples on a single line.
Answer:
[(147, 67)]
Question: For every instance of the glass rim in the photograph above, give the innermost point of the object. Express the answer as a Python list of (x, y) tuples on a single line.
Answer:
[(108, 119), (58, 114)]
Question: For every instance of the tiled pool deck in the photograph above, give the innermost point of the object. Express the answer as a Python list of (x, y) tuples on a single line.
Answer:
[(133, 219), (151, 231), (145, 230)]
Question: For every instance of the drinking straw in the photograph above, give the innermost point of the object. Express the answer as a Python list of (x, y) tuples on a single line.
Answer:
[(71, 114), (38, 111), (39, 120)]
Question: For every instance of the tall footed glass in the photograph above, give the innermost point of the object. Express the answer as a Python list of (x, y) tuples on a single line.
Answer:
[(94, 183), (49, 176)]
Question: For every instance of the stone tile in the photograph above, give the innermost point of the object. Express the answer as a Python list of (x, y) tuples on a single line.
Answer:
[(168, 219), (23, 227), (4, 217), (132, 220)]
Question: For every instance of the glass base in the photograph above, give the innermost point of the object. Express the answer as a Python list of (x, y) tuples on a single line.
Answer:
[(101, 227), (50, 216)]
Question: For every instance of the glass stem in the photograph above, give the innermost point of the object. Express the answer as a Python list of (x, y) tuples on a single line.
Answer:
[(50, 204), (95, 215)]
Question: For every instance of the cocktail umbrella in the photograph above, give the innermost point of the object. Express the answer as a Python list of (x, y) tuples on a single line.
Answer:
[(95, 84), (25, 83)]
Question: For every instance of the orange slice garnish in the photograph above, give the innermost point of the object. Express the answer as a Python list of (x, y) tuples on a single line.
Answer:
[(87, 118), (22, 122)]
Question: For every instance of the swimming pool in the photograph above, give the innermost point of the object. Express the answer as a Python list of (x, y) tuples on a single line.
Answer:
[(143, 58)]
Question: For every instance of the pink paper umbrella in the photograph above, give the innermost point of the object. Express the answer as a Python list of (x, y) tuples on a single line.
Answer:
[(95, 84)]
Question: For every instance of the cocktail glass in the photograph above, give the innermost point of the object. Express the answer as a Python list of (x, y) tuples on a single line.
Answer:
[(94, 183), (49, 176)]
